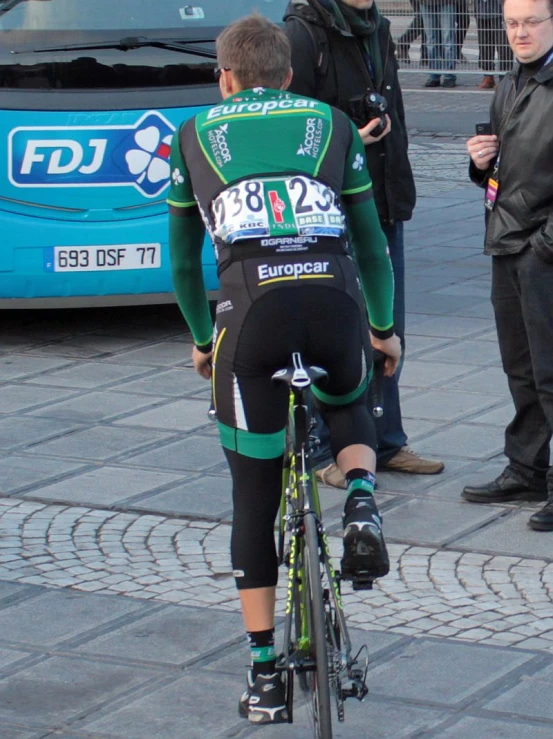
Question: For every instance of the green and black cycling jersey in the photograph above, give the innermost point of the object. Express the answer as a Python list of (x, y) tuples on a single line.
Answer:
[(269, 173)]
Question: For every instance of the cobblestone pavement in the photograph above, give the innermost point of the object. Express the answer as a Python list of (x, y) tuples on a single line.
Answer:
[(477, 597), (118, 613)]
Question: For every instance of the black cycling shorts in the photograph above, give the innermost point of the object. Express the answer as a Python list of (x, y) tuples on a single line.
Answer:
[(268, 309)]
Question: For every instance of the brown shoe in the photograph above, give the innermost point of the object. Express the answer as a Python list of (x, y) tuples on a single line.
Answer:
[(332, 476), (488, 83), (407, 460)]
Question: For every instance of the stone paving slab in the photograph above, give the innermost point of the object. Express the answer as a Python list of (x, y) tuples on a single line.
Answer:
[(486, 728), (449, 673), (18, 472), (193, 454), (49, 619), (89, 375), (375, 718), (20, 432), (206, 495), (94, 407), (445, 405), (178, 709), (509, 535), (462, 441), (180, 415), (62, 688), (434, 522), (105, 486), (173, 636), (171, 382), (22, 398), (98, 443)]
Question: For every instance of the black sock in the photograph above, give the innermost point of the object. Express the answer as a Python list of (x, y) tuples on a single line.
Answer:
[(262, 649)]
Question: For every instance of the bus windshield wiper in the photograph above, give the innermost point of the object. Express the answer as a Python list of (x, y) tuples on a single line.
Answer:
[(9, 4), (128, 44)]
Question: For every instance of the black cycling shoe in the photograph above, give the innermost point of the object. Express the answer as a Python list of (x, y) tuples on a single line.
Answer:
[(264, 700), (365, 554)]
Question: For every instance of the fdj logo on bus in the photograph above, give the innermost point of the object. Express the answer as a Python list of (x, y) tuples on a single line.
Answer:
[(93, 156)]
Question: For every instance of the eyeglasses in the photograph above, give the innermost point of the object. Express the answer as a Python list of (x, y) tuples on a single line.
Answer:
[(530, 23), (217, 72)]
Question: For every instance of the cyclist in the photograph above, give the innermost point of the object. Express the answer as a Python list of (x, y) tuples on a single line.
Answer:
[(273, 176)]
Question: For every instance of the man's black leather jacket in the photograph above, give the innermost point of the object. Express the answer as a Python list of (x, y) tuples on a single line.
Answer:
[(523, 213)]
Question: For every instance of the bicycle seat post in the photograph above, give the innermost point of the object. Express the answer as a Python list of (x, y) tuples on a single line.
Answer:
[(299, 379), (299, 385), (301, 421)]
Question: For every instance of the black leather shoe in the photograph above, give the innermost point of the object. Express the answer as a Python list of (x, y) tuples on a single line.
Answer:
[(543, 520), (501, 490)]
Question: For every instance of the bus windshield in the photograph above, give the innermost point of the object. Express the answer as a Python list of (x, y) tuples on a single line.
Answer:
[(76, 44), (174, 16)]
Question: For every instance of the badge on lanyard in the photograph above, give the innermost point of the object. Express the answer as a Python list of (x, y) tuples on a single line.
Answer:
[(493, 188)]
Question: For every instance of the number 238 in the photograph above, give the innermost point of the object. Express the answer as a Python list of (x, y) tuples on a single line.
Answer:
[(249, 194)]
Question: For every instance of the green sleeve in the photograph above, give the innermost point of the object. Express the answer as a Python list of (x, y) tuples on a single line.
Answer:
[(375, 269), (369, 243), (186, 238)]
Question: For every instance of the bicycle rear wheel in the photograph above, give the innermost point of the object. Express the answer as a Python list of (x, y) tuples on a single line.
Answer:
[(319, 682)]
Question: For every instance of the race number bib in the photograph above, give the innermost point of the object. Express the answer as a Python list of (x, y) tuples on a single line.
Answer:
[(286, 206)]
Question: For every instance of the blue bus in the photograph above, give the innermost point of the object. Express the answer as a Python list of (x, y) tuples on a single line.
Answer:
[(91, 93)]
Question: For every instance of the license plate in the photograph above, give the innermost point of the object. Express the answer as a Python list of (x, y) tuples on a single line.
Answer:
[(102, 258)]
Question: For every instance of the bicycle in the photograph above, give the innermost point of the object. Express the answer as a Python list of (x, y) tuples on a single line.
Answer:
[(317, 647)]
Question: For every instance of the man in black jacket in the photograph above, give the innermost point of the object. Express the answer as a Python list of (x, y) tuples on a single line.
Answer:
[(341, 49), (515, 166)]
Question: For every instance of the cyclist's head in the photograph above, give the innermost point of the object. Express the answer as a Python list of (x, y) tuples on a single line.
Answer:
[(253, 52)]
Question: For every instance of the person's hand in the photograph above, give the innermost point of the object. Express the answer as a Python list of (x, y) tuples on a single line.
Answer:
[(367, 130), (392, 349), (202, 363), (482, 150)]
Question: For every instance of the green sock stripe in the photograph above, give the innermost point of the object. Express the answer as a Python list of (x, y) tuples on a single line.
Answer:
[(257, 446), (263, 654), (341, 399), (360, 484)]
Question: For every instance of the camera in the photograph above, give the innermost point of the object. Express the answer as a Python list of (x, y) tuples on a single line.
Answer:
[(367, 107)]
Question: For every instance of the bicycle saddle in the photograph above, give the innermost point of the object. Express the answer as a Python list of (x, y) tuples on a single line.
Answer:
[(297, 375)]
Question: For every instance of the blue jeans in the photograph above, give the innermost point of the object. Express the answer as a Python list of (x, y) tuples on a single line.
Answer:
[(441, 37), (389, 428)]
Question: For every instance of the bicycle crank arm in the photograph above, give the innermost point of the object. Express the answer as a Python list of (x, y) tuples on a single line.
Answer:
[(296, 662), (356, 689)]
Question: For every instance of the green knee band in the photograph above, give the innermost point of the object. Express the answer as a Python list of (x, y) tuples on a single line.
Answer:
[(258, 446), (340, 399)]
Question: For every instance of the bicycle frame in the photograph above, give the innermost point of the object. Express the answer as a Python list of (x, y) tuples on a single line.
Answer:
[(300, 500)]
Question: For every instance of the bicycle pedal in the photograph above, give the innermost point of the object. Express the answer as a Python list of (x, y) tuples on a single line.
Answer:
[(359, 580), (362, 583)]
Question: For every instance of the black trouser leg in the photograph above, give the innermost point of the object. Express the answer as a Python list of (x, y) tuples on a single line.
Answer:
[(504, 51), (414, 29), (486, 46), (523, 305), (463, 23)]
